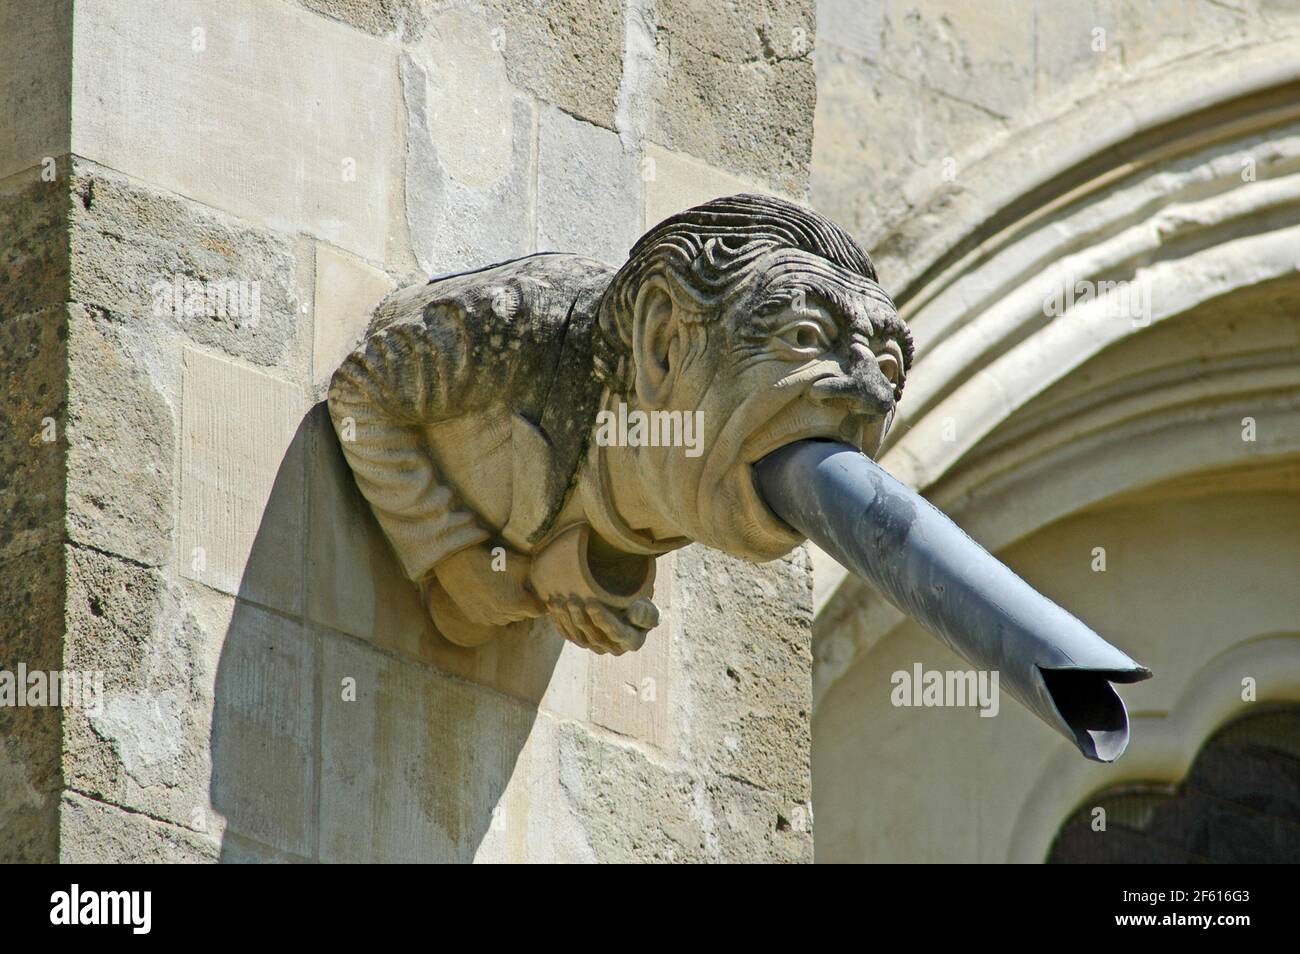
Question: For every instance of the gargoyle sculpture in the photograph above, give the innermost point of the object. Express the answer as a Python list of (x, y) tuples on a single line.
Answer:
[(531, 435)]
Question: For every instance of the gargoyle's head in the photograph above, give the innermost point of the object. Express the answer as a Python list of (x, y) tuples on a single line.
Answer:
[(767, 318)]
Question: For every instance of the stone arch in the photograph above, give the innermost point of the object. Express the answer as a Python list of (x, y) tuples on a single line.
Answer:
[(1037, 430), (1157, 200)]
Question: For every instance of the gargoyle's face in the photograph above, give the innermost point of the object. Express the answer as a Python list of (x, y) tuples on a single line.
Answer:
[(765, 376)]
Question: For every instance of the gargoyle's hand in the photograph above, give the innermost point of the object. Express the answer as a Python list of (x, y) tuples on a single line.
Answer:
[(592, 625), (484, 594)]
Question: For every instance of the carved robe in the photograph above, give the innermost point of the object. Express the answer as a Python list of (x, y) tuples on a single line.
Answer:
[(487, 375)]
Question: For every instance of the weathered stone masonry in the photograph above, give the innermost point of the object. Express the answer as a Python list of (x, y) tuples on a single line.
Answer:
[(272, 690)]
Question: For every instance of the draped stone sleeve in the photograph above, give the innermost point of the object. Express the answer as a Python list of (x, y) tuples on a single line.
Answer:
[(402, 379), (485, 342)]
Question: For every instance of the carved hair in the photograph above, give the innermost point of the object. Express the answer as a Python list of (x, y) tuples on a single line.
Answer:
[(706, 254)]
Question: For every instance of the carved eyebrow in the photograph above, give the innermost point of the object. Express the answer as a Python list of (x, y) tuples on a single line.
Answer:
[(786, 296), (850, 300), (768, 317), (850, 317)]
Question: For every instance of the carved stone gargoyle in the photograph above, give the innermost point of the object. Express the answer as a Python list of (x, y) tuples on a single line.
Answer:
[(531, 435)]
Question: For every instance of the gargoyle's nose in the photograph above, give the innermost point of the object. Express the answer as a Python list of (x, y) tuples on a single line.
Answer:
[(862, 392)]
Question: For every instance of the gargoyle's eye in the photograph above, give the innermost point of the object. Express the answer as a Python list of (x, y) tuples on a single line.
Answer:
[(890, 367), (890, 361), (806, 337)]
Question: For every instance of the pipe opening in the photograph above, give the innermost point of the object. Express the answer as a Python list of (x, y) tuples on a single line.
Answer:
[(1091, 708)]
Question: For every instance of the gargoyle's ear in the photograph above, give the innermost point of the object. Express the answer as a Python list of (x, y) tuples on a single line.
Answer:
[(656, 348)]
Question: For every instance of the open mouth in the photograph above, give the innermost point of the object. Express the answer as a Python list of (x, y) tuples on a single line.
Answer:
[(799, 421), (823, 433), (796, 422)]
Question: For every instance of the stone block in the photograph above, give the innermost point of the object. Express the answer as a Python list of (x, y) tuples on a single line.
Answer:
[(635, 808), (420, 766), (36, 50), (153, 644), (268, 111), (588, 190), (742, 667), (981, 54), (184, 270), (856, 180), (347, 290), (33, 409), (208, 719), (470, 154), (734, 84), (34, 257), (31, 635), (566, 52), (538, 667), (629, 694), (121, 437), (264, 740), (354, 582), (241, 523), (674, 182), (535, 820), (413, 762), (94, 833)]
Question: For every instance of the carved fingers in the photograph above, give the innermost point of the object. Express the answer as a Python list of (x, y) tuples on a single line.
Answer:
[(619, 634), (573, 623), (593, 625)]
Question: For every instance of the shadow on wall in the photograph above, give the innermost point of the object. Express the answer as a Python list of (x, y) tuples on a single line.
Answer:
[(344, 727)]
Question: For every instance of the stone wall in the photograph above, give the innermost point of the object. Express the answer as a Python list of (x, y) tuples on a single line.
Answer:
[(272, 689), (36, 54), (911, 92)]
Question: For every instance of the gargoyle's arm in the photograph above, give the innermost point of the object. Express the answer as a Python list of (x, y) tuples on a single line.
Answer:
[(381, 399)]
